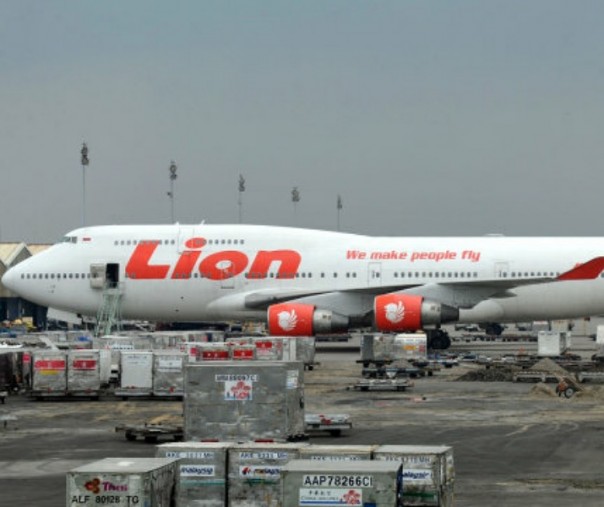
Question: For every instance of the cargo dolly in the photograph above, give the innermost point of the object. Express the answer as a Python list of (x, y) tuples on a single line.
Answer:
[(591, 376), (334, 424), (150, 432), (395, 384), (535, 376)]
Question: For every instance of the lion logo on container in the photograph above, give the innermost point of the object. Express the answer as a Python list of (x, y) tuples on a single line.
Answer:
[(352, 498), (288, 320), (240, 391), (395, 312)]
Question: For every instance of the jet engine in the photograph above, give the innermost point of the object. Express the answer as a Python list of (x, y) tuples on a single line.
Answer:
[(408, 312), (297, 319)]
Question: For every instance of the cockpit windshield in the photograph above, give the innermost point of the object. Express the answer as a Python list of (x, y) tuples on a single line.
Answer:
[(69, 239)]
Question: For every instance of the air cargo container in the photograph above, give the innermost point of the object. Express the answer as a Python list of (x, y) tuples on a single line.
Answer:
[(213, 352), (337, 452), (244, 400), (269, 348), (192, 350), (84, 373), (305, 350), (327, 483), (254, 477), (600, 335), (242, 352), (201, 473), (552, 343), (10, 368), (49, 373), (136, 374), (117, 344), (428, 472), (141, 482), (385, 348), (168, 373)]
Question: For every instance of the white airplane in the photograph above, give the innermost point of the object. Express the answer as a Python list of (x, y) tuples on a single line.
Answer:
[(306, 282)]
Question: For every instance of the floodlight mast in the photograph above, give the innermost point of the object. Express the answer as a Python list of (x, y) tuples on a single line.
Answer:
[(173, 177), (85, 161)]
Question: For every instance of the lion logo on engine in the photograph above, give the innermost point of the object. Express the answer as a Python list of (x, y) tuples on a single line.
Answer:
[(288, 320), (395, 312)]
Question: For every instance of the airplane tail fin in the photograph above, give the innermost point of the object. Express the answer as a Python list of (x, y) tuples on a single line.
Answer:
[(586, 271)]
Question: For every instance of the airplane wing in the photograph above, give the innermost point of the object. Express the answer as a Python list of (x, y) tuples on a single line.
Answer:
[(466, 294)]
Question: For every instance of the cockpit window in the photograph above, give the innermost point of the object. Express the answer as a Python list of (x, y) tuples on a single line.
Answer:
[(70, 239)]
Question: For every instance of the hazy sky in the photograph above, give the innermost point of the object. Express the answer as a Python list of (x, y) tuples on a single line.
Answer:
[(427, 117)]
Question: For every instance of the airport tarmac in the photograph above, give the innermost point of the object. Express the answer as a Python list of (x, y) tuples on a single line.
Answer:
[(514, 444)]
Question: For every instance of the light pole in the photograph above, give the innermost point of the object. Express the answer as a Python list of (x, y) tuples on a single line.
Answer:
[(295, 200), (339, 208), (240, 201), (173, 176), (85, 161)]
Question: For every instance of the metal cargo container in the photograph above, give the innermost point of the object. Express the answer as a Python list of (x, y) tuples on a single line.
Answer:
[(116, 344), (428, 472), (305, 349), (166, 340), (600, 335), (205, 335), (269, 348), (213, 352), (254, 477), (312, 483), (337, 452), (201, 472), (552, 343), (244, 400), (243, 352), (10, 371), (145, 482), (105, 366), (411, 346), (192, 350), (84, 373), (168, 373), (49, 373), (379, 348), (286, 348), (136, 374)]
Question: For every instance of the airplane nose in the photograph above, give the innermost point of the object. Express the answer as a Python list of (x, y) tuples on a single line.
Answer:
[(9, 280)]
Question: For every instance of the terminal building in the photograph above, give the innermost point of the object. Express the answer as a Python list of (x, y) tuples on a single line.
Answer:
[(12, 307)]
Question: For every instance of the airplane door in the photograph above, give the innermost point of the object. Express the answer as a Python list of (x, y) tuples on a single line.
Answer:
[(97, 276), (104, 274), (374, 274), (502, 269), (112, 275)]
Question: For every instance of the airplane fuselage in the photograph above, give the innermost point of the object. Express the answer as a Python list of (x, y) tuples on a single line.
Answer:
[(217, 272)]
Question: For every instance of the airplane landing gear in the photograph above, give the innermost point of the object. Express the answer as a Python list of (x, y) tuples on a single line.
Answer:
[(438, 339), (493, 329)]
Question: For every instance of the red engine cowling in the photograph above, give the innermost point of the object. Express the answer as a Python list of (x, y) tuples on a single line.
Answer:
[(408, 312), (298, 319)]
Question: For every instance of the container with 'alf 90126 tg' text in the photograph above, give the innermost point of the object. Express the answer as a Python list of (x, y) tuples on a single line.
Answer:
[(127, 482)]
